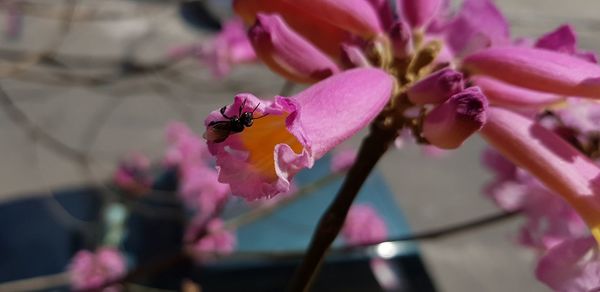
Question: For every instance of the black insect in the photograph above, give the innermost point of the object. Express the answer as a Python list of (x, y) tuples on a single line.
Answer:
[(218, 131)]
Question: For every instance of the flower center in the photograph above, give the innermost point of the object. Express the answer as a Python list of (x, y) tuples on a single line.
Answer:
[(260, 140)]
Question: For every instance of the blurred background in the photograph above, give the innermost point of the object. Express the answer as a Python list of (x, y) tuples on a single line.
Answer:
[(93, 77)]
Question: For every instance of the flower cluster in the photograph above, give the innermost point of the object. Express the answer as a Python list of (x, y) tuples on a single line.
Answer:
[(440, 74), (90, 270)]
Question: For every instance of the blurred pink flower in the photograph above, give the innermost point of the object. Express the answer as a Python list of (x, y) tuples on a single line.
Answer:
[(132, 174), (571, 266), (229, 47), (90, 270), (217, 240), (184, 146), (198, 186), (363, 225), (343, 160), (200, 190)]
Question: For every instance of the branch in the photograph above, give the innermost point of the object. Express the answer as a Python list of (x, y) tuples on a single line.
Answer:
[(371, 150)]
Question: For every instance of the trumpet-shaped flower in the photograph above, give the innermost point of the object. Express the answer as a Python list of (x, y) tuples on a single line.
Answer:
[(449, 124), (551, 159), (288, 53), (290, 133), (538, 69), (506, 95)]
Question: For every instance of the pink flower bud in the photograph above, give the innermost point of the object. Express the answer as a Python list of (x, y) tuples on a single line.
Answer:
[(401, 39), (353, 56), (538, 69), (506, 95), (419, 12), (449, 124), (287, 52), (437, 87)]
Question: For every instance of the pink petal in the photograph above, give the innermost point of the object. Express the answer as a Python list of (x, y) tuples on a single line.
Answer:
[(538, 69), (548, 157), (507, 95), (353, 56), (288, 53), (564, 40), (363, 225), (356, 16), (571, 266), (449, 124), (478, 25), (418, 13), (261, 160), (384, 11), (437, 87), (401, 38)]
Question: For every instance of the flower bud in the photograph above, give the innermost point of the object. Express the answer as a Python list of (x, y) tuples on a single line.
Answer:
[(401, 39), (419, 12), (449, 124), (437, 87), (288, 53)]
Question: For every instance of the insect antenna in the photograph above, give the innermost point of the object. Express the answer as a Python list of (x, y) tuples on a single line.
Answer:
[(255, 110), (222, 111)]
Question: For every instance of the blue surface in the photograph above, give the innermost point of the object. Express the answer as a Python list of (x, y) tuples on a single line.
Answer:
[(291, 227), (34, 241)]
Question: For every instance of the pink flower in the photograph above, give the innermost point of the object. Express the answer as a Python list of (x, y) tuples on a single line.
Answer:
[(217, 240), (133, 175), (287, 52), (564, 40), (571, 266), (90, 270), (198, 186), (449, 124), (538, 69), (200, 190), (549, 219), (560, 166), (510, 96), (418, 13), (293, 132), (343, 160), (228, 48), (478, 25), (363, 225), (185, 147), (581, 115), (437, 87)]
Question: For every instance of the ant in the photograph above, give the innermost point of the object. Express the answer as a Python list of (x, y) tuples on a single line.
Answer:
[(218, 131)]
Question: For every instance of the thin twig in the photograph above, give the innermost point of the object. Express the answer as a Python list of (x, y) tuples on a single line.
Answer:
[(372, 149), (35, 132)]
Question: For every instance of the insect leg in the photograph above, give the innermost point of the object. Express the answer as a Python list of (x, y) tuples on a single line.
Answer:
[(222, 111)]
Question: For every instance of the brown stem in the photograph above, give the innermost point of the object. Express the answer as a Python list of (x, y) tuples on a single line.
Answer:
[(371, 150)]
